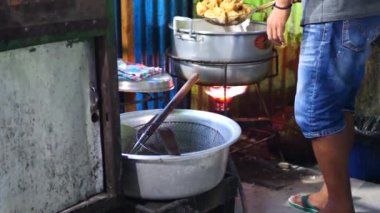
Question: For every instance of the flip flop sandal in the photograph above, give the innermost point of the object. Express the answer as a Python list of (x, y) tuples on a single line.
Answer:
[(305, 206)]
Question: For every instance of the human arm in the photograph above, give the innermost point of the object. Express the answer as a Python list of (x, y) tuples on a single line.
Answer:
[(277, 20)]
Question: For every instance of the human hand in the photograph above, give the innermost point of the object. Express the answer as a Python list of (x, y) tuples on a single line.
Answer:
[(276, 23)]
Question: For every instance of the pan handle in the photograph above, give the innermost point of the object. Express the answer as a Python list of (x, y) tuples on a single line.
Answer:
[(185, 23), (157, 120)]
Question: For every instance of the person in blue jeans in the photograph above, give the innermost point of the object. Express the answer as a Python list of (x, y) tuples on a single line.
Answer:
[(337, 36)]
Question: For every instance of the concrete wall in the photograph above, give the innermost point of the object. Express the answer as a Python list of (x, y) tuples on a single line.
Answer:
[(50, 151)]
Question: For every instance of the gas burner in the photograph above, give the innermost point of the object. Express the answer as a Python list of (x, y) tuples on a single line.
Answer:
[(218, 199), (222, 96)]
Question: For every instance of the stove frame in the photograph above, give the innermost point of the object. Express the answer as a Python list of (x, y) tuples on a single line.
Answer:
[(271, 134)]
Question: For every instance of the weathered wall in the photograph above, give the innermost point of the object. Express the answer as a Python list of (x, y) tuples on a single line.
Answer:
[(368, 101), (50, 151), (367, 114)]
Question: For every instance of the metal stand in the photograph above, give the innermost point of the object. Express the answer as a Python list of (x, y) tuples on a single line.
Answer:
[(271, 134)]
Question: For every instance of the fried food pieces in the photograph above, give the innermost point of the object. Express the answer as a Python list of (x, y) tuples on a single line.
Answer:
[(223, 11)]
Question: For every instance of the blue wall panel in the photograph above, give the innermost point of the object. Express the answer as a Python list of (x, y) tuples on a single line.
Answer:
[(152, 35)]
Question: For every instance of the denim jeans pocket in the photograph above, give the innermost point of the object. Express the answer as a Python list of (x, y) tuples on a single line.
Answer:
[(355, 35)]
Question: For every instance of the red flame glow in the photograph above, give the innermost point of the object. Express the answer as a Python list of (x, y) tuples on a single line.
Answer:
[(218, 93)]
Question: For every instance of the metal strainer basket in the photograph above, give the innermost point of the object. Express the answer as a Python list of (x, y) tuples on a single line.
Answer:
[(195, 131), (190, 137)]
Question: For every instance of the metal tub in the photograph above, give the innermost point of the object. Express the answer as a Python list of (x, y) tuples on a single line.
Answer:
[(196, 39), (204, 139), (234, 55), (219, 74)]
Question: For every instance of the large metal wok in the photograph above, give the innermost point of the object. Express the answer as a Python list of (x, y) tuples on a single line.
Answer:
[(204, 139), (232, 55)]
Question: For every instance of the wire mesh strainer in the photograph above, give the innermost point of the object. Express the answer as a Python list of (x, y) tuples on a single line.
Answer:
[(190, 137)]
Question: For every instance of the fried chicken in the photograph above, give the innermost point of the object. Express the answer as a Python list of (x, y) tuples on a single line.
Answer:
[(222, 11)]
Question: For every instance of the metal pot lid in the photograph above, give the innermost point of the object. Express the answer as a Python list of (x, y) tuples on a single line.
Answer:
[(157, 83), (200, 26)]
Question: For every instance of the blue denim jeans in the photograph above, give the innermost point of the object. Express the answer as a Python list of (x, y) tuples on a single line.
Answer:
[(331, 68)]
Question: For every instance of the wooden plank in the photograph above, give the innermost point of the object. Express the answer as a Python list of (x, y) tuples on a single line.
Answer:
[(110, 118), (110, 106), (99, 203), (51, 32), (33, 19), (127, 27), (106, 69), (72, 36), (128, 44)]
